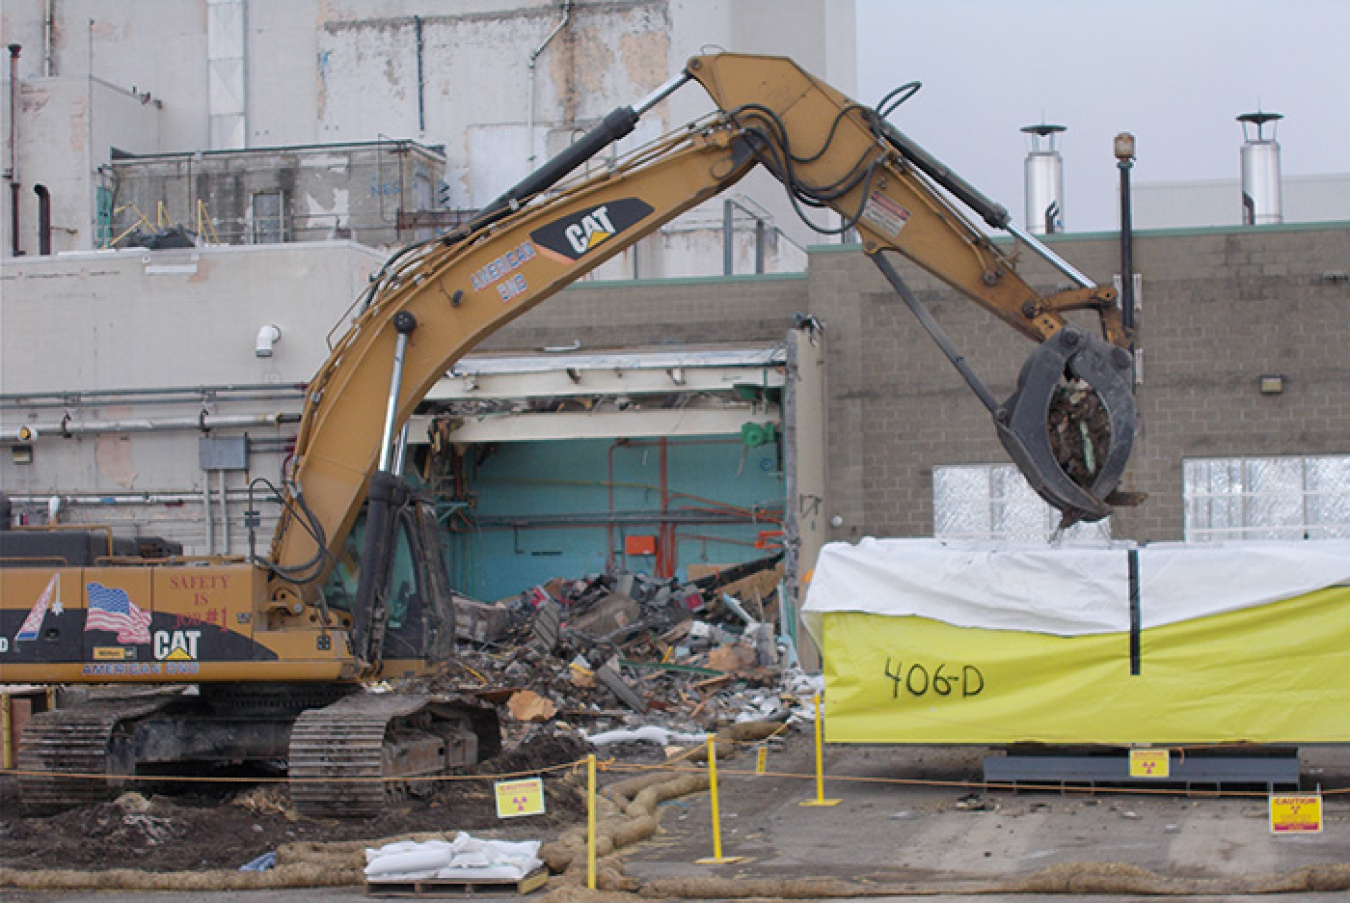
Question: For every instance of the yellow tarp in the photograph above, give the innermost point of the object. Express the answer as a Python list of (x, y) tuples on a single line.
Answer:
[(1272, 673)]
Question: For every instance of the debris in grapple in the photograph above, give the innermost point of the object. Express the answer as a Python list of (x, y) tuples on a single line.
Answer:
[(1080, 431)]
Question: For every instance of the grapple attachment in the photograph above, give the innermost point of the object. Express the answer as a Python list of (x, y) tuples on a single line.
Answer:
[(1070, 424)]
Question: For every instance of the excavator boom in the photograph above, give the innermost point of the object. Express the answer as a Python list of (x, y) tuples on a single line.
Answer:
[(828, 151)]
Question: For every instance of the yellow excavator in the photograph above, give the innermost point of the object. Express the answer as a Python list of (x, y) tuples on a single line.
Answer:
[(267, 655)]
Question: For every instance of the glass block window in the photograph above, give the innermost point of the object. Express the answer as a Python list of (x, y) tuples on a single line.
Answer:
[(995, 502), (1281, 498)]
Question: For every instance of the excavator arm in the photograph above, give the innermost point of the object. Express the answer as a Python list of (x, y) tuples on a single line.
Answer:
[(435, 301)]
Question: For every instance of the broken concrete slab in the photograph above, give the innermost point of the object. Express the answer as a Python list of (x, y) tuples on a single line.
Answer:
[(479, 622), (613, 680), (606, 615), (546, 628)]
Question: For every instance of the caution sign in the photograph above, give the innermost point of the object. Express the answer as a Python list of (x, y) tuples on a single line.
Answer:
[(1149, 763), (523, 797), (1296, 813)]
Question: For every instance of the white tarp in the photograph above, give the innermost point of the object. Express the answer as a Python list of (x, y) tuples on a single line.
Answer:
[(1063, 590)]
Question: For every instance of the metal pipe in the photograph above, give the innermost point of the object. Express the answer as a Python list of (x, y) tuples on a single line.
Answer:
[(48, 28), (224, 511), (761, 245), (105, 500), (421, 80), (1126, 254), (534, 58), (157, 395), (14, 185), (67, 428), (728, 224), (44, 220), (208, 515)]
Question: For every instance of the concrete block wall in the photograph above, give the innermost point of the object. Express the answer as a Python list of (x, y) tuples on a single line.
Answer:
[(1224, 308)]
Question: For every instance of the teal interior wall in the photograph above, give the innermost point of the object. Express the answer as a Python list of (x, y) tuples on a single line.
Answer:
[(565, 508)]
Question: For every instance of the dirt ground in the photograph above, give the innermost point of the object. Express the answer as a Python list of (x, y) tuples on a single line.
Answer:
[(230, 825), (908, 820)]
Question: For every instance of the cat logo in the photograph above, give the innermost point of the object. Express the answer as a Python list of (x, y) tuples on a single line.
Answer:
[(176, 645), (572, 237), (594, 228)]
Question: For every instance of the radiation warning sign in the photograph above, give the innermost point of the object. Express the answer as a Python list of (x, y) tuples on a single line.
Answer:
[(522, 797), (1149, 763), (1296, 813)]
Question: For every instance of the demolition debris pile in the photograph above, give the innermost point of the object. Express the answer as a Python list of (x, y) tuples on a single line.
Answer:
[(621, 650)]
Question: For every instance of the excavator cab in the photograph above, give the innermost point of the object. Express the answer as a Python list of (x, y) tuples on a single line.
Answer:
[(395, 588)]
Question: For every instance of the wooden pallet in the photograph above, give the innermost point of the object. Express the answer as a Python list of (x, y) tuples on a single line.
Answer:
[(448, 887)]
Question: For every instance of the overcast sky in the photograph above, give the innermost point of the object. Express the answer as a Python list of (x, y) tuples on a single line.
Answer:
[(1175, 73)]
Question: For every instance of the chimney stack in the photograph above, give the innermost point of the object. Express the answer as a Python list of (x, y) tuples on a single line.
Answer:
[(1260, 171), (1044, 180)]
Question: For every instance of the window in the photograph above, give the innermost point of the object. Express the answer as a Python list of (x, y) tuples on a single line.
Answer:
[(103, 231), (269, 217), (994, 501), (1267, 498)]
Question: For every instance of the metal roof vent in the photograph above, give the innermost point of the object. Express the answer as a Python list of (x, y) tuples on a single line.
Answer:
[(1045, 180), (1260, 171)]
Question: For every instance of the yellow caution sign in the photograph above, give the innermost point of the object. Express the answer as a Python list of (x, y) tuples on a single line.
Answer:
[(1296, 813), (1149, 763), (522, 797)]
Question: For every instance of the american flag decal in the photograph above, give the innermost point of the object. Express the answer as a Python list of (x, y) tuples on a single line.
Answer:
[(111, 609)]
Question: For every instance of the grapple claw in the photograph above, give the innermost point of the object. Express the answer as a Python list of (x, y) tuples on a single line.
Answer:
[(1023, 423)]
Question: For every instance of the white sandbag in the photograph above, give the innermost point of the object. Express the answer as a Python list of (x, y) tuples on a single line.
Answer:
[(427, 857), (466, 858)]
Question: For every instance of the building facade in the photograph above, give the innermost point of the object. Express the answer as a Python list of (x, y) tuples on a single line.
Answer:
[(107, 95)]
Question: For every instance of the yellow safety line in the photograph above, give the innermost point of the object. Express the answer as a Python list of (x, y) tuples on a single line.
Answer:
[(723, 773)]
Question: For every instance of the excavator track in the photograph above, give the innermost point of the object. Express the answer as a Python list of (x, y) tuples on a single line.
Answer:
[(65, 756), (354, 758)]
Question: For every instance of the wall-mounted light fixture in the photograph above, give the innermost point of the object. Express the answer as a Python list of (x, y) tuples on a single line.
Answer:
[(268, 336), (1271, 383)]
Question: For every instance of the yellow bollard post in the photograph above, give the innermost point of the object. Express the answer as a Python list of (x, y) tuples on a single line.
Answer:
[(717, 856), (590, 821), (820, 764)]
